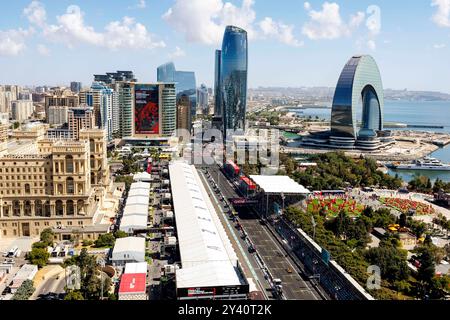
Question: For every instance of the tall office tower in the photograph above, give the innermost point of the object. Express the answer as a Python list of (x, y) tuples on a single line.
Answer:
[(203, 99), (55, 184), (217, 119), (60, 98), (184, 113), (113, 77), (184, 81), (100, 97), (233, 75), (75, 87), (57, 115), (155, 110), (21, 110), (78, 118)]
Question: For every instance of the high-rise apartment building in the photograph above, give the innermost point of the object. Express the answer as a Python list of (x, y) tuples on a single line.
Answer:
[(57, 115), (60, 98), (79, 118), (184, 113), (102, 99), (75, 87), (8, 94), (113, 77), (21, 110), (203, 99), (155, 111)]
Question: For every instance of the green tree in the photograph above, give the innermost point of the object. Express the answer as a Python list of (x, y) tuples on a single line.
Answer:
[(105, 240), (38, 256), (25, 291), (391, 261), (74, 295), (427, 269), (120, 234), (47, 237)]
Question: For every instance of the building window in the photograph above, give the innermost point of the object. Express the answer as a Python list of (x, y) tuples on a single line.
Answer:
[(70, 186), (69, 164), (70, 208), (27, 208), (27, 188), (59, 208)]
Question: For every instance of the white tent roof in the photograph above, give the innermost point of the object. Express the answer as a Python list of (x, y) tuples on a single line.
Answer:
[(140, 185), (144, 200), (203, 242), (142, 176), (207, 275), (279, 184), (136, 267), (130, 248), (138, 192), (128, 223)]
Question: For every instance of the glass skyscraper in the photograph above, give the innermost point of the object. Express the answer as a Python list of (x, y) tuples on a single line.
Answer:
[(217, 96), (360, 80), (184, 82), (233, 78)]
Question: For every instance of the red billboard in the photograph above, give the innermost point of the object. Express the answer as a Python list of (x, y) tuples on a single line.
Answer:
[(146, 109)]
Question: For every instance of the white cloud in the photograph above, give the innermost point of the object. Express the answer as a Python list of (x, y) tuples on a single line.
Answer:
[(72, 30), (129, 34), (279, 31), (307, 6), (178, 53), (439, 46), (36, 14), (43, 50), (371, 45), (328, 23), (203, 21), (12, 42), (140, 5), (442, 15)]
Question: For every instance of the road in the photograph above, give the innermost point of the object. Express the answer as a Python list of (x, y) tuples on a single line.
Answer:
[(52, 285), (248, 263), (295, 284)]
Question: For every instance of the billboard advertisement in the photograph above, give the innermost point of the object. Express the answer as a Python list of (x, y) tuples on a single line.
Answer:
[(146, 109)]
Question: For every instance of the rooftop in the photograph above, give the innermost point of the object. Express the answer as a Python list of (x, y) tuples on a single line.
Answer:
[(279, 184), (133, 283), (207, 256)]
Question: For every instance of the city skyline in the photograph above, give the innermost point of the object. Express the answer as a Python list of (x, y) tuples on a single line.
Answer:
[(80, 39)]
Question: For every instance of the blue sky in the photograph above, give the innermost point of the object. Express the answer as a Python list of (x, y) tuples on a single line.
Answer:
[(292, 42)]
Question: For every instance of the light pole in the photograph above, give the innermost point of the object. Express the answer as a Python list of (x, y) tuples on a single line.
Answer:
[(313, 221), (282, 198), (101, 263)]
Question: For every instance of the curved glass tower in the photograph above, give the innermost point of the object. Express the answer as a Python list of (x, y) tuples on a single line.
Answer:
[(359, 81), (233, 76)]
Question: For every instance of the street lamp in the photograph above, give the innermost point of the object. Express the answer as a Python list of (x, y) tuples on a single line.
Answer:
[(101, 263)]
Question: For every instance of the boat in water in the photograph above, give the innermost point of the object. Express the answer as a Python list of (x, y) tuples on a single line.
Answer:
[(426, 164)]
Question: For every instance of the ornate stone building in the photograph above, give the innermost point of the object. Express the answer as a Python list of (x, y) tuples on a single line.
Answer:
[(56, 184)]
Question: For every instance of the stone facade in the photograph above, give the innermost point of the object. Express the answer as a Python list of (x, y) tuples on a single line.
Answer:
[(60, 186)]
